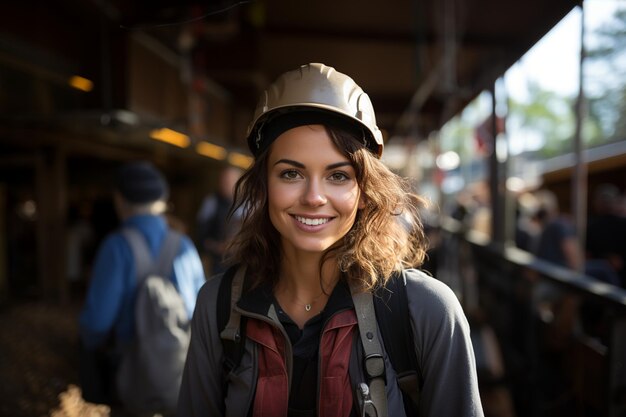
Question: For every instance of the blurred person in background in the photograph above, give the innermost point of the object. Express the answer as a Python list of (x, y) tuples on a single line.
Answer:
[(558, 309), (107, 320), (557, 242), (606, 232), (80, 247), (215, 227), (526, 228)]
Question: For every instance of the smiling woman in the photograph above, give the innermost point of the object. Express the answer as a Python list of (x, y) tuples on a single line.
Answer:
[(326, 225)]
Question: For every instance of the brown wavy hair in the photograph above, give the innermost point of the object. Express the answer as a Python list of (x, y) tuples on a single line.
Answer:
[(387, 234)]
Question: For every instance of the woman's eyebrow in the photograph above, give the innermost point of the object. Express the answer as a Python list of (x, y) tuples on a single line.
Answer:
[(290, 162), (302, 166), (338, 165)]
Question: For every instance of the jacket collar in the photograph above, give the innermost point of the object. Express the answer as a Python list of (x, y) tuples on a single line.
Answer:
[(259, 300)]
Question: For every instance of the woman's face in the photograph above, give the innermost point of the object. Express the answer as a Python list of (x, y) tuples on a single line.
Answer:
[(313, 195)]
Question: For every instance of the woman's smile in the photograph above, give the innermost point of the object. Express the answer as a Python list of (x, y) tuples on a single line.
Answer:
[(312, 221)]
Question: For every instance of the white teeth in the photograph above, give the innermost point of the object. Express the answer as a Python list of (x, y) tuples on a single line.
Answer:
[(311, 222)]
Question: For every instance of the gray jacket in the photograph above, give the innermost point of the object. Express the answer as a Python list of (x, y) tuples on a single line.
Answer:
[(442, 344)]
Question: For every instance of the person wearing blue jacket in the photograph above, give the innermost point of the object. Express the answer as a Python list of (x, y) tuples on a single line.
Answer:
[(107, 318)]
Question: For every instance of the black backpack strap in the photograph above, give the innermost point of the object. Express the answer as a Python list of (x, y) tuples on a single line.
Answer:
[(232, 329), (229, 322), (392, 314)]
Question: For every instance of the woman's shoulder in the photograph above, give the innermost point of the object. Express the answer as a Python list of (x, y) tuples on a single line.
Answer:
[(207, 296), (427, 293), (418, 279)]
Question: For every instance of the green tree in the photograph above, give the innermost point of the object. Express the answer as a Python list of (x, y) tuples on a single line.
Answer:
[(549, 115), (607, 92)]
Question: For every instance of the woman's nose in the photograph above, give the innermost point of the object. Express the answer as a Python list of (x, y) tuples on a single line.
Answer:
[(314, 194)]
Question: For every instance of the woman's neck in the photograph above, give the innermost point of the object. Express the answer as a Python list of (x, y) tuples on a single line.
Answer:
[(303, 287), (302, 272)]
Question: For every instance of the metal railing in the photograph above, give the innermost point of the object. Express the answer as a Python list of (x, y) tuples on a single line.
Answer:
[(562, 335)]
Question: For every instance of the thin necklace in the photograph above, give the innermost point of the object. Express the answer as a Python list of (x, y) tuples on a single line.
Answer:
[(307, 306)]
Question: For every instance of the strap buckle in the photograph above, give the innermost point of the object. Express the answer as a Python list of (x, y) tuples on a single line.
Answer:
[(374, 365), (368, 409)]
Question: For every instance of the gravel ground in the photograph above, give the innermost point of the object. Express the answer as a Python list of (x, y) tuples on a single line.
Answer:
[(38, 360)]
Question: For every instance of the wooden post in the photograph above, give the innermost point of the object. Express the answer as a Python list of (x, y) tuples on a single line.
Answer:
[(4, 262), (51, 226)]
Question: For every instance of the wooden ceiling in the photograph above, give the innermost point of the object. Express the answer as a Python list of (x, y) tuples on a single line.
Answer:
[(421, 61)]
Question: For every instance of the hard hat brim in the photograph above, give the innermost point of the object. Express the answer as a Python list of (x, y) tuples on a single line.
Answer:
[(272, 124)]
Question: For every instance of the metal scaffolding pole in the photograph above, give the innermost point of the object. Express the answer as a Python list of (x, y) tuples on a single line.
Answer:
[(579, 179)]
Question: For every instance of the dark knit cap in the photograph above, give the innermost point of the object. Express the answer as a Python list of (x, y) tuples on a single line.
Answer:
[(302, 116), (141, 182)]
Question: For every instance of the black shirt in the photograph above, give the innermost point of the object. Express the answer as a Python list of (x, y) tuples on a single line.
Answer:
[(305, 343)]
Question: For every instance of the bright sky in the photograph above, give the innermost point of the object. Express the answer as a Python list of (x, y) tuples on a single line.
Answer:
[(554, 64), (554, 61)]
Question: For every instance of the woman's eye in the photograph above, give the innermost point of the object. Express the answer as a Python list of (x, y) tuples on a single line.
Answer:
[(289, 174), (339, 177)]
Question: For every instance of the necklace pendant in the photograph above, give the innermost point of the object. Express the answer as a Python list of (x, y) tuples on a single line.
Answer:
[(307, 307)]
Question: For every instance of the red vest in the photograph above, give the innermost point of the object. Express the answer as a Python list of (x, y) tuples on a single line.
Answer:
[(272, 389)]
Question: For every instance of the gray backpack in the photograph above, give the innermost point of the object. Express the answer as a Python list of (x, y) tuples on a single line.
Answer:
[(151, 367)]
